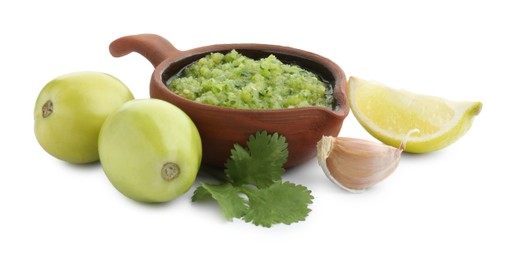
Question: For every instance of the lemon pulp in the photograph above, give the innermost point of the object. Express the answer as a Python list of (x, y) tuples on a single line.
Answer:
[(389, 114)]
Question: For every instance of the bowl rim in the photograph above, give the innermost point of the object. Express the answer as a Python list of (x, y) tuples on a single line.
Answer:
[(339, 83)]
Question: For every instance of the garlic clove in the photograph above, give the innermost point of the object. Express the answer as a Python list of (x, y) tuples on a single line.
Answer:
[(356, 164)]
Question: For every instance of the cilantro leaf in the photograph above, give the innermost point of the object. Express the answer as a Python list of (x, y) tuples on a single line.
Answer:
[(261, 163), (201, 194), (232, 205), (256, 171), (279, 203)]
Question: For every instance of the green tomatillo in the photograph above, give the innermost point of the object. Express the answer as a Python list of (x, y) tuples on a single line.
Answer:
[(150, 150), (70, 111)]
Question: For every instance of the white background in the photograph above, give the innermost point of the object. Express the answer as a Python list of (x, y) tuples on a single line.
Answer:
[(450, 204)]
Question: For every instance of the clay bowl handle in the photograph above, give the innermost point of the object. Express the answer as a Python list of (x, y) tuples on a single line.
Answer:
[(153, 47)]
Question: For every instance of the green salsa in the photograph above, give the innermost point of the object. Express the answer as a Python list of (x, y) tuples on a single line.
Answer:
[(236, 81)]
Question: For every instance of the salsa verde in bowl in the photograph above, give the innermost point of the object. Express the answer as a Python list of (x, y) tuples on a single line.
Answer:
[(221, 127)]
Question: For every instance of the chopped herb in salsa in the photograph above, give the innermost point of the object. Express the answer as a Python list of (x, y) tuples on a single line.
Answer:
[(236, 81)]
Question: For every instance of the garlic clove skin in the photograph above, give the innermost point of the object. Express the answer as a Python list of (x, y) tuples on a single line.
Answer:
[(356, 164)]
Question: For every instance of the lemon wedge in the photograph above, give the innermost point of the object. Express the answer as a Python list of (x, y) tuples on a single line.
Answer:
[(389, 115)]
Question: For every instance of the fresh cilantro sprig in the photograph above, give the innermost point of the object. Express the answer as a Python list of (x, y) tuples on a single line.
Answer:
[(254, 190)]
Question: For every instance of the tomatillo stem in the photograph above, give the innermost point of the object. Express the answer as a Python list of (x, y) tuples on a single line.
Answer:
[(47, 109), (170, 171)]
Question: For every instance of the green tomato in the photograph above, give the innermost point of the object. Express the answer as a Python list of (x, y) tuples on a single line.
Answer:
[(150, 150), (70, 111)]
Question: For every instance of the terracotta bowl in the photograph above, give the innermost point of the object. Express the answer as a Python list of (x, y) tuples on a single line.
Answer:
[(220, 128)]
